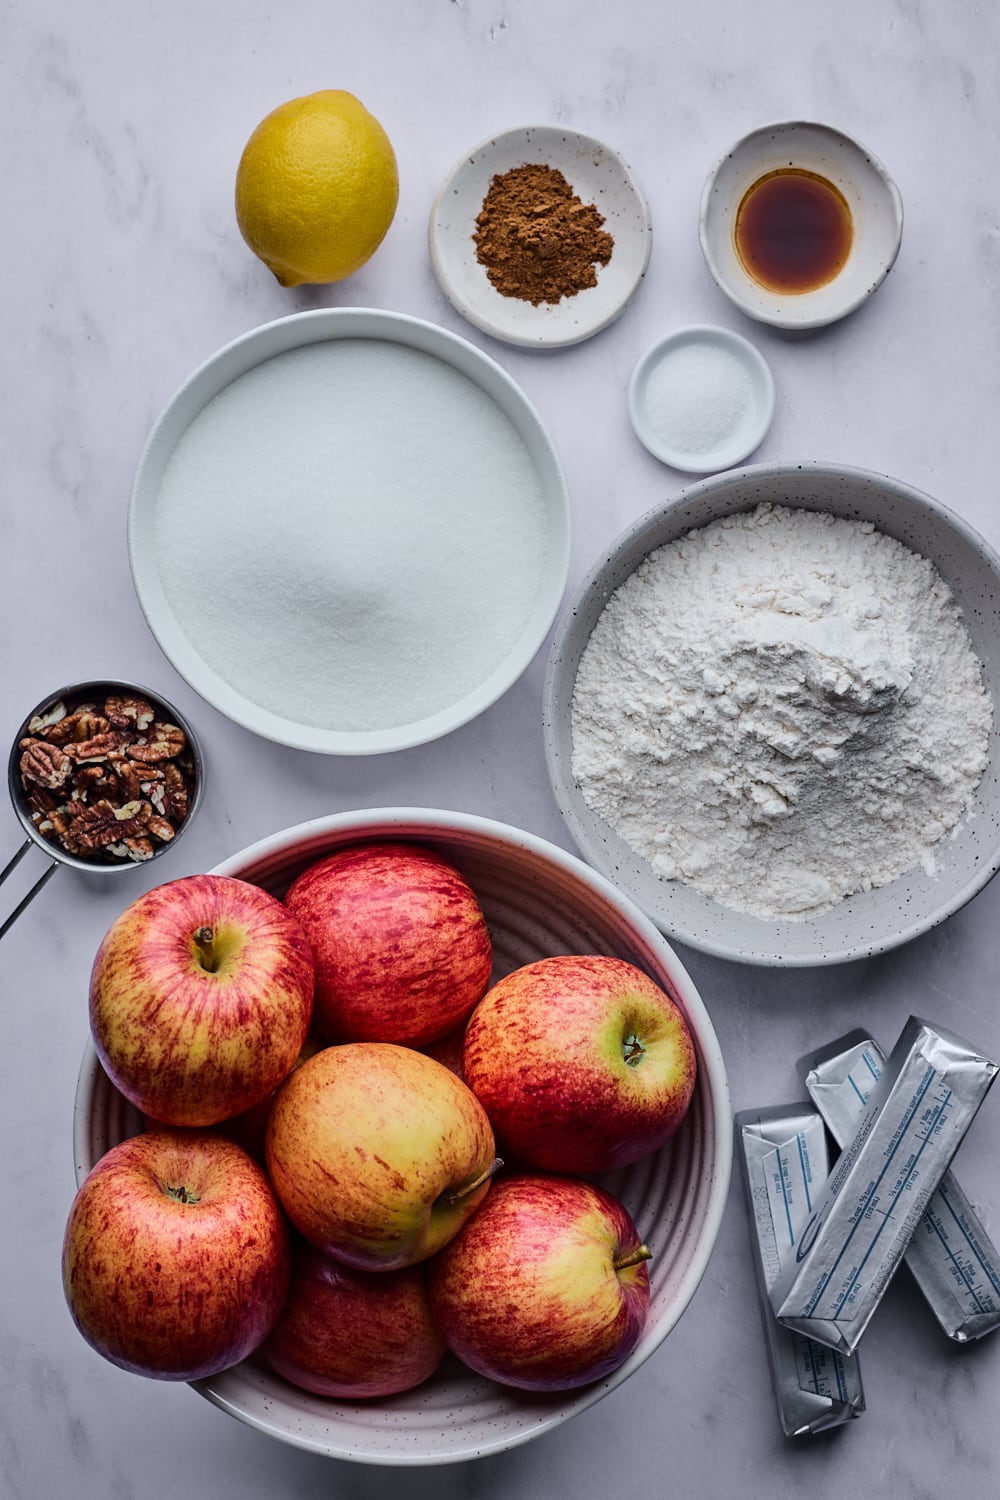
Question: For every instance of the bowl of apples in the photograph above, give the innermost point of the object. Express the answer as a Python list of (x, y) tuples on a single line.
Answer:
[(461, 1055)]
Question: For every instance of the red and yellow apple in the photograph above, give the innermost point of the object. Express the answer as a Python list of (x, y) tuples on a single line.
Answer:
[(546, 1286), (582, 1063), (200, 999), (402, 948), (176, 1256), (354, 1334), (378, 1154)]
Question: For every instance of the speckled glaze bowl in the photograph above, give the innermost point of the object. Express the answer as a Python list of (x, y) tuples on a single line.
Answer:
[(872, 197), (868, 923), (538, 900)]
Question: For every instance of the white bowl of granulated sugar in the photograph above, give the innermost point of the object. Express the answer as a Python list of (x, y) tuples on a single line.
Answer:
[(349, 531), (770, 714)]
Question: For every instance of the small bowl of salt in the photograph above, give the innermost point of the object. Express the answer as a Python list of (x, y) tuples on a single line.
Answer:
[(701, 399)]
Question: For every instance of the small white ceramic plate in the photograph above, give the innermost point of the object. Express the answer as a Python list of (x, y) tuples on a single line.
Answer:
[(390, 478), (871, 195), (598, 175), (701, 399)]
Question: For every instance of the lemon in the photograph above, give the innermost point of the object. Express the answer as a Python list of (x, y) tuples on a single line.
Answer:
[(316, 188)]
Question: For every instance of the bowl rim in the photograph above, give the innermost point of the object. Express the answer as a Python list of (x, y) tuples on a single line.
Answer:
[(414, 822), (754, 310), (560, 779), (246, 352)]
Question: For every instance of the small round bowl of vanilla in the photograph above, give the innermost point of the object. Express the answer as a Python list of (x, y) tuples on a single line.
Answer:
[(770, 714)]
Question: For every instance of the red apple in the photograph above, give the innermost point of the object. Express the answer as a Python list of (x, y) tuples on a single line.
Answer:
[(378, 1154), (200, 999), (176, 1256), (401, 944), (354, 1334), (546, 1287), (582, 1063)]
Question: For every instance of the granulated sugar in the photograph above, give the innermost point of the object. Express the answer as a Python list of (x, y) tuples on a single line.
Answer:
[(781, 709), (697, 397), (352, 535)]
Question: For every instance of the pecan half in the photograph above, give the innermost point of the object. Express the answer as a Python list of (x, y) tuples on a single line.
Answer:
[(159, 828), (44, 763), (86, 725), (127, 712), (165, 742), (48, 719), (102, 824), (99, 747), (137, 849), (175, 786)]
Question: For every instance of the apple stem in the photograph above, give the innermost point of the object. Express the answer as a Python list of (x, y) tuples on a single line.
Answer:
[(633, 1257), (204, 941), (180, 1194), (632, 1050), (470, 1187)]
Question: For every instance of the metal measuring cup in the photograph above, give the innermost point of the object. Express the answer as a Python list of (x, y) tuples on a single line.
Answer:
[(80, 693)]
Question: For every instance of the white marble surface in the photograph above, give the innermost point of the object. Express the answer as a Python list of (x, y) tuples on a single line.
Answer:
[(122, 126)]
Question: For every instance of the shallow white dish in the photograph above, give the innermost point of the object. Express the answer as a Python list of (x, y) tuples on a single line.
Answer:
[(870, 922), (736, 411), (871, 195), (597, 175), (538, 900), (359, 403)]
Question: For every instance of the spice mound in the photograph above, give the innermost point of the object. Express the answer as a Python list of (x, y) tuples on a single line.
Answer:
[(107, 781), (536, 239), (781, 709)]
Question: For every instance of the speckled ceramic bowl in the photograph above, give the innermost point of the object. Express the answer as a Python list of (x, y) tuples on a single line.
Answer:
[(538, 900), (872, 198), (599, 176), (862, 925)]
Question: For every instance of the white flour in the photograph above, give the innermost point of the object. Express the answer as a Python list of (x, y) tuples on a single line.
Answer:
[(781, 708)]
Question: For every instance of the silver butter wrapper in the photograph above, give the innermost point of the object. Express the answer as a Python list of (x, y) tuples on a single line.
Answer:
[(866, 1214), (783, 1157), (951, 1257)]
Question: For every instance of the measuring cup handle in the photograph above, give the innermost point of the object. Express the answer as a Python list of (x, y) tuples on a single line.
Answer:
[(12, 864)]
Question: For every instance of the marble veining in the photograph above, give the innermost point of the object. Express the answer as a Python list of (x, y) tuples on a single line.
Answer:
[(122, 128)]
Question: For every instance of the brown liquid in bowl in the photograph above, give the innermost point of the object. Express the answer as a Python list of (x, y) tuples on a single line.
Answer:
[(793, 231)]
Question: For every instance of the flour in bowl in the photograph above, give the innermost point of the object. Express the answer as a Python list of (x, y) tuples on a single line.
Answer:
[(781, 708)]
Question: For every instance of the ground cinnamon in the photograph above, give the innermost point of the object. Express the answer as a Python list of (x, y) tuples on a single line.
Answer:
[(536, 239)]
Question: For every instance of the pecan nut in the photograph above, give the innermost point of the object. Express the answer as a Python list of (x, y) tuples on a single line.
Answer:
[(127, 712), (165, 742), (98, 747), (44, 764)]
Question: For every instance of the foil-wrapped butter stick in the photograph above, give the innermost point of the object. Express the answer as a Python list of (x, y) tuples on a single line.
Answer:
[(783, 1157), (876, 1195), (950, 1256)]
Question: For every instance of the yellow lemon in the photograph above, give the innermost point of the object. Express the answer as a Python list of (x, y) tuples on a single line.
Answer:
[(316, 188)]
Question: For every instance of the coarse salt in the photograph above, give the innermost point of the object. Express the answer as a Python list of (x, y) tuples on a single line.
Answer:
[(697, 398), (352, 535)]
